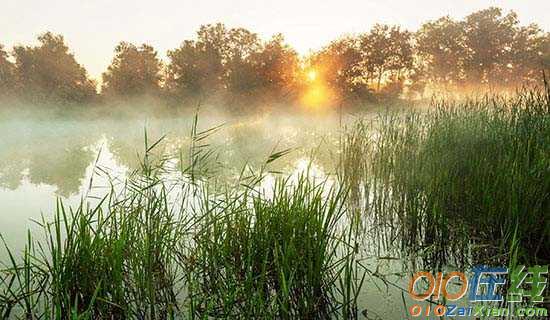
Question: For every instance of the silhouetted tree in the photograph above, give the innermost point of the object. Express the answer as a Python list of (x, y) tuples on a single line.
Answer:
[(231, 63), (276, 69), (7, 74), (489, 37), (544, 53), (528, 55), (258, 71), (196, 68), (133, 71), (240, 75), (441, 49), (341, 66), (48, 72), (388, 55), (487, 47)]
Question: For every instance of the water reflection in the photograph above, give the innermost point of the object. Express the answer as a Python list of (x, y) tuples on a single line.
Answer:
[(62, 166), (57, 152)]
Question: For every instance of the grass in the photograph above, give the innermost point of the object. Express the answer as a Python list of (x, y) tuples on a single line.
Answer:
[(472, 175), (273, 258), (114, 260), (167, 245)]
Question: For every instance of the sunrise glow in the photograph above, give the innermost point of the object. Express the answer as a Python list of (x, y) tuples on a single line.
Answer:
[(312, 75)]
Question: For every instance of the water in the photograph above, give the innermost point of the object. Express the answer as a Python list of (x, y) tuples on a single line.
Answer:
[(43, 157), (42, 160)]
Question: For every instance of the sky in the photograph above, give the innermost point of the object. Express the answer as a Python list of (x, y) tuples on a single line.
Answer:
[(93, 28)]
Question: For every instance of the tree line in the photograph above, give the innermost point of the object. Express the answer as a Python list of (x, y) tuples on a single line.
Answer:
[(488, 49)]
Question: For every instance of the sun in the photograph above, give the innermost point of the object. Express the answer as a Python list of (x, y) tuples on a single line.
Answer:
[(316, 93), (317, 96), (312, 75)]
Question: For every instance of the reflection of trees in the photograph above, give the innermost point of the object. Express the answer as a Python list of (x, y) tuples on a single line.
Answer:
[(12, 165), (58, 153), (63, 167), (251, 142), (46, 159), (126, 151), (246, 144)]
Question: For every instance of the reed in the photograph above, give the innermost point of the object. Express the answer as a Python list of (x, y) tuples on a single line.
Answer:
[(463, 182)]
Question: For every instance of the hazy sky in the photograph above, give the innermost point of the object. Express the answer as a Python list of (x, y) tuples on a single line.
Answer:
[(93, 28)]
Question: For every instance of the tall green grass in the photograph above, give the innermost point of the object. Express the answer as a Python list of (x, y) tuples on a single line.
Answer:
[(167, 245), (112, 260), (279, 257), (462, 181)]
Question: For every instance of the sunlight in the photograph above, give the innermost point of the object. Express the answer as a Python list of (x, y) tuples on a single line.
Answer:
[(316, 96), (312, 75)]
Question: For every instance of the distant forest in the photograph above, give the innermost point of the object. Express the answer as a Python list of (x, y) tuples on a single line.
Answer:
[(487, 50)]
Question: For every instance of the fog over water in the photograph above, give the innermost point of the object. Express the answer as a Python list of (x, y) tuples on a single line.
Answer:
[(270, 160), (44, 156)]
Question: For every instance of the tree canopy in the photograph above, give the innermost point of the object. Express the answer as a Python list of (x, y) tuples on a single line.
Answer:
[(134, 71), (49, 72), (233, 63), (7, 74), (488, 48)]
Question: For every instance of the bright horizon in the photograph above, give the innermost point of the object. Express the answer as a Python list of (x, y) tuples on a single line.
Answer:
[(92, 30)]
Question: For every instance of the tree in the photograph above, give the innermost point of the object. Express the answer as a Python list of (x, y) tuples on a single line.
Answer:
[(276, 69), (341, 66), (196, 68), (133, 71), (487, 47), (231, 63), (544, 53), (387, 53), (489, 37), (241, 78), (527, 56), (48, 72), (7, 74), (441, 50)]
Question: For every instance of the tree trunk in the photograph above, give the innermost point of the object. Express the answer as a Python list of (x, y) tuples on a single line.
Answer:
[(379, 79)]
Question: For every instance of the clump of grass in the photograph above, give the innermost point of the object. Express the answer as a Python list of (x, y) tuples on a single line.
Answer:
[(472, 175), (279, 257), (113, 260)]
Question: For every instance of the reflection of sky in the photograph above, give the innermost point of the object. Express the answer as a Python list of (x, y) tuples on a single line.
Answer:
[(92, 28)]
